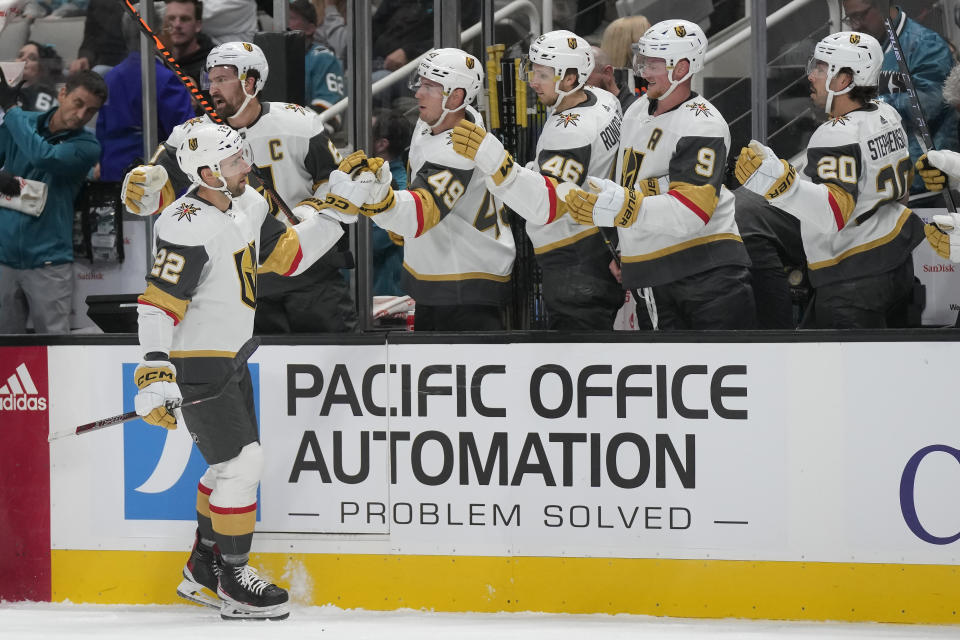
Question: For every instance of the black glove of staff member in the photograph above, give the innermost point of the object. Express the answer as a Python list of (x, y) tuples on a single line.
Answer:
[(9, 184), (8, 94)]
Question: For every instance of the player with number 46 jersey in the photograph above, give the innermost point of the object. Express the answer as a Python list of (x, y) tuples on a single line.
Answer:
[(856, 233)]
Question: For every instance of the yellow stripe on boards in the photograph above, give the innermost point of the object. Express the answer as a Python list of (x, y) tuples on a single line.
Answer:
[(923, 594)]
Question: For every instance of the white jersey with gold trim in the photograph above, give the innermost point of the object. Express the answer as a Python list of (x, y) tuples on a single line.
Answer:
[(689, 227), (578, 142), (857, 170), (457, 247), (206, 263)]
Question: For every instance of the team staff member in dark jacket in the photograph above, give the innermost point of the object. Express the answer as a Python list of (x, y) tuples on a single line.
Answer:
[(36, 252)]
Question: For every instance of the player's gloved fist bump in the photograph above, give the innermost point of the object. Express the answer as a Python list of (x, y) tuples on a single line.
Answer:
[(346, 194), (606, 205), (474, 143), (761, 171), (158, 395), (944, 236), (381, 195), (142, 190)]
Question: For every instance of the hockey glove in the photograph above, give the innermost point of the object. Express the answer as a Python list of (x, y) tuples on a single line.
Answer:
[(761, 171), (356, 160), (9, 184), (159, 395), (937, 168), (474, 143), (944, 236), (347, 194), (146, 190), (381, 196), (606, 205)]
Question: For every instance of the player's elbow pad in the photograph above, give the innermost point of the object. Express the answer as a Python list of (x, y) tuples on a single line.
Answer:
[(825, 209)]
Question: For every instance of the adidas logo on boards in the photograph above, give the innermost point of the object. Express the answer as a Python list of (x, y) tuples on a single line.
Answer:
[(20, 393)]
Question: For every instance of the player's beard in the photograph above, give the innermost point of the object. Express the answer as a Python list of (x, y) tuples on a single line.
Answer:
[(227, 110)]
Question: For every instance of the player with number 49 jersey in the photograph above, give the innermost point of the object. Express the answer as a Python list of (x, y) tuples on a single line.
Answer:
[(457, 247)]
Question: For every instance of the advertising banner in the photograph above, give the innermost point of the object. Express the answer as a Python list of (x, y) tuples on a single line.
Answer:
[(828, 452), (24, 474)]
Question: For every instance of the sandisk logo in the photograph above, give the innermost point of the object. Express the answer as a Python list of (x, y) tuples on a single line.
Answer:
[(20, 393)]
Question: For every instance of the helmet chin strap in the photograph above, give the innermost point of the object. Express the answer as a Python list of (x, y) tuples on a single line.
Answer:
[(674, 83), (444, 111), (830, 93), (561, 95)]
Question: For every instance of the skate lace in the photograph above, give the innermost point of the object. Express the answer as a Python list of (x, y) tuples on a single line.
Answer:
[(248, 577)]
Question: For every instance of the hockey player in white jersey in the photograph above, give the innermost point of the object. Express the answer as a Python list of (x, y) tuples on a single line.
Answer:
[(210, 246), (458, 251), (578, 139), (674, 217), (857, 235), (295, 155)]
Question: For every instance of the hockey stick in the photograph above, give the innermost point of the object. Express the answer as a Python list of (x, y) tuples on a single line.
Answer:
[(171, 63), (924, 137), (237, 366)]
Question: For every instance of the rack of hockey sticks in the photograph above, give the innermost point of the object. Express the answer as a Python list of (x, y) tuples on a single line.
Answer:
[(171, 63), (237, 365), (516, 118)]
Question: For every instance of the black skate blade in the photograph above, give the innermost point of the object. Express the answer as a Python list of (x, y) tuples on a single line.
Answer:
[(233, 611), (198, 594)]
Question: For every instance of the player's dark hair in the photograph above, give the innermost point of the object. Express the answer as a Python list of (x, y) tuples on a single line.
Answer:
[(90, 81), (860, 94), (197, 7)]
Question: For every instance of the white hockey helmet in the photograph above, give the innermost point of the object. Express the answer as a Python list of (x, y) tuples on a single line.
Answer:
[(209, 145), (858, 52), (453, 69), (673, 41), (244, 57), (561, 50)]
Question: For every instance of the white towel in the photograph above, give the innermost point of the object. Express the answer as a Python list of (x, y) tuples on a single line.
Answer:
[(32, 198)]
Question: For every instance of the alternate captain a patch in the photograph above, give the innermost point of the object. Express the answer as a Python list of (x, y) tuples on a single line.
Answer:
[(568, 119), (700, 108), (186, 210)]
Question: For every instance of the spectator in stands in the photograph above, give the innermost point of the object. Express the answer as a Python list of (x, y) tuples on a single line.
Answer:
[(36, 252), (63, 8), (323, 72), (183, 29), (230, 20), (43, 68), (619, 37), (120, 125), (929, 61), (101, 48), (602, 77), (391, 139), (331, 27)]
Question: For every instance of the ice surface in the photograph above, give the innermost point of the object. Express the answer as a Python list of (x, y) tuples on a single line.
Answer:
[(35, 621)]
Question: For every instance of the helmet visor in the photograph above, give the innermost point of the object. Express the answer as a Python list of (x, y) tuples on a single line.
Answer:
[(237, 164), (645, 64), (541, 73), (816, 65), (418, 82)]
